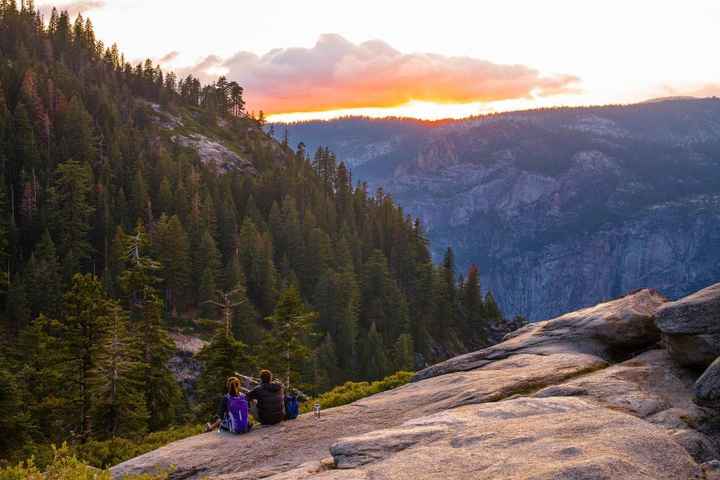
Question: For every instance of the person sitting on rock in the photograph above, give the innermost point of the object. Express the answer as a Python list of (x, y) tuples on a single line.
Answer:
[(270, 400), (232, 411)]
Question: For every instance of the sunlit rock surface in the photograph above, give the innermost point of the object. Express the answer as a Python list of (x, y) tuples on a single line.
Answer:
[(592, 394)]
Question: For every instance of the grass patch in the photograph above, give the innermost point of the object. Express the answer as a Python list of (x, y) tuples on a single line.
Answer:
[(352, 391)]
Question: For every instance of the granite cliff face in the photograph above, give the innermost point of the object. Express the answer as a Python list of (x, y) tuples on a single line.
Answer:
[(560, 208), (592, 394)]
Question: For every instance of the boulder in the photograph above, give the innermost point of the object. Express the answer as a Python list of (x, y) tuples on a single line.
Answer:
[(356, 451), (521, 374), (691, 327), (549, 438), (694, 351), (649, 386), (696, 444), (697, 314), (215, 154), (707, 387), (609, 330), (643, 386)]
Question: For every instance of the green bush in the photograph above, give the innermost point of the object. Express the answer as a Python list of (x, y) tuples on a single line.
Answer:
[(352, 391), (107, 453), (66, 466)]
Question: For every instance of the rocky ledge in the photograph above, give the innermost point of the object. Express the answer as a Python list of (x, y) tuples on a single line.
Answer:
[(601, 393)]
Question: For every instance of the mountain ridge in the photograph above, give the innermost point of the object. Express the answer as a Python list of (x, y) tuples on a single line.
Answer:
[(508, 190)]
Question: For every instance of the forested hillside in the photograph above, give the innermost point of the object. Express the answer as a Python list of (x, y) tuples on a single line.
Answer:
[(118, 227)]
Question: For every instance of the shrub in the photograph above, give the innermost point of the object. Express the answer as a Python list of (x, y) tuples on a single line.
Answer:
[(352, 391), (106, 453), (66, 466)]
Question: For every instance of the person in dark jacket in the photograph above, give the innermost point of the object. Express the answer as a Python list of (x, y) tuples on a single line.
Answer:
[(270, 399)]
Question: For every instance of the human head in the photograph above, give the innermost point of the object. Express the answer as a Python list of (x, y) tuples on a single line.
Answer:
[(265, 376), (233, 386)]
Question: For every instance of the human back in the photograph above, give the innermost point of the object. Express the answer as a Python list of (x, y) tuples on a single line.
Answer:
[(237, 413), (270, 399)]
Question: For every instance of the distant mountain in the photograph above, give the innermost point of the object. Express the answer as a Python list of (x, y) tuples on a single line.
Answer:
[(560, 208)]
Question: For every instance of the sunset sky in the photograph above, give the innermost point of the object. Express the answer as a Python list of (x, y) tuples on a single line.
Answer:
[(319, 59)]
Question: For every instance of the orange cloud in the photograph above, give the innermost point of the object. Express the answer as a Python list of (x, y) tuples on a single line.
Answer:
[(338, 74)]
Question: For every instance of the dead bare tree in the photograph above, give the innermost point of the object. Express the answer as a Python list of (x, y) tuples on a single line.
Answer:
[(226, 306)]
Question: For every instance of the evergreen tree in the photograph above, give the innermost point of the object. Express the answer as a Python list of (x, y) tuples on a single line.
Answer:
[(139, 195), (171, 243), (71, 201), (4, 228), (227, 224), (423, 309), (165, 197), (206, 267), (17, 306), (445, 299), (493, 315), (84, 323), (15, 421), (291, 232), (327, 371), (473, 310), (43, 374), (44, 276), (233, 274), (265, 274), (285, 349), (26, 144), (404, 353), (138, 282), (117, 385), (244, 320), (220, 359), (208, 291), (76, 133), (375, 363), (383, 304), (162, 393)]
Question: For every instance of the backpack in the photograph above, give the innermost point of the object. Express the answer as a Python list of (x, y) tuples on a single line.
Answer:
[(237, 415), (292, 407)]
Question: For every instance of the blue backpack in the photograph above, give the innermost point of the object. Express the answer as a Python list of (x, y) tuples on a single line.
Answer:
[(292, 407), (236, 420)]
